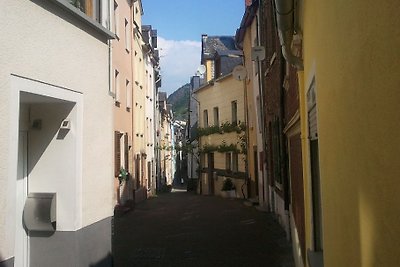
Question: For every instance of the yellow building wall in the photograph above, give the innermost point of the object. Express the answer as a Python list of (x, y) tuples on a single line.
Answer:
[(352, 48), (209, 67), (221, 94), (251, 109)]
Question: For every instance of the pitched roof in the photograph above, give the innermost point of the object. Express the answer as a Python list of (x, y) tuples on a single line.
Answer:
[(248, 17), (216, 44), (223, 50)]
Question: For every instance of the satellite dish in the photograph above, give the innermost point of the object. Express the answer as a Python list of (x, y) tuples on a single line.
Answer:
[(201, 69), (257, 53), (239, 72)]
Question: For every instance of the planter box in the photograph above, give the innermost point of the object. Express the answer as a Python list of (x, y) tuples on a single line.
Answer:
[(228, 194)]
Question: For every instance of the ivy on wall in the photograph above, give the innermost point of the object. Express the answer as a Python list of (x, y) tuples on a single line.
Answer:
[(225, 127)]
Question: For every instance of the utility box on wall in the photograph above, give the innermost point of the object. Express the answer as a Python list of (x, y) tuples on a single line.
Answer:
[(40, 212)]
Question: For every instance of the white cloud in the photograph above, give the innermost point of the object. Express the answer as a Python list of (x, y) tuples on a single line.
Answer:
[(179, 61)]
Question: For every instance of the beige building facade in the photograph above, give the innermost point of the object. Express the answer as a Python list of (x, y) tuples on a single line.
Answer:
[(53, 143), (123, 99), (221, 105)]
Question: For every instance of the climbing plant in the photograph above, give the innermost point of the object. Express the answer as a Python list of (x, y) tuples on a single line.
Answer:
[(225, 127)]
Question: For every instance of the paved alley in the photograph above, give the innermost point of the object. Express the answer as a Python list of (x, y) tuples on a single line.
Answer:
[(184, 229)]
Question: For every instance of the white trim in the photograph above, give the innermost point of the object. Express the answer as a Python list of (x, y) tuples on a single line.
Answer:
[(311, 81), (296, 246), (22, 84)]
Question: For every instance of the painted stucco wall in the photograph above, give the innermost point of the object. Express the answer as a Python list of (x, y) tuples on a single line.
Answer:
[(47, 48), (149, 123), (221, 94), (248, 98), (122, 89), (139, 90), (352, 49), (122, 61)]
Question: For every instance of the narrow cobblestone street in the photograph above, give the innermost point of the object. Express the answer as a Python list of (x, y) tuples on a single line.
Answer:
[(184, 229)]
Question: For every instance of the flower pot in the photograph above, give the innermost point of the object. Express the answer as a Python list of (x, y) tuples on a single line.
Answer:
[(228, 194)]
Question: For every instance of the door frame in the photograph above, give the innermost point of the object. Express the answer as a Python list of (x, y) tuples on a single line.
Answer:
[(21, 246)]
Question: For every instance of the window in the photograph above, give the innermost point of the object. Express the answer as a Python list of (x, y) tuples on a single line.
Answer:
[(92, 8), (121, 152), (234, 112), (216, 116), (128, 95), (212, 70), (116, 18), (96, 9), (315, 172), (127, 36), (116, 86), (235, 159), (231, 161), (117, 153), (205, 118), (228, 161)]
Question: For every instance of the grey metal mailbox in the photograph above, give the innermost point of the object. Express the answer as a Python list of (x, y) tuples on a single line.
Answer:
[(40, 212)]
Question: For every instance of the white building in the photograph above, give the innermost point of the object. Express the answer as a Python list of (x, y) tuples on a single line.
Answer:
[(57, 130), (151, 61)]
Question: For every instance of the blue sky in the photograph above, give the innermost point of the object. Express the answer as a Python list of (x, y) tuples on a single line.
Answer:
[(180, 24)]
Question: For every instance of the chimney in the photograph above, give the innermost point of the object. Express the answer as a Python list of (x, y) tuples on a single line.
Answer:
[(248, 2)]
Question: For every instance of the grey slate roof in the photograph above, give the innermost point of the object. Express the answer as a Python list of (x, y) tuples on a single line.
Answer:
[(216, 44), (223, 50)]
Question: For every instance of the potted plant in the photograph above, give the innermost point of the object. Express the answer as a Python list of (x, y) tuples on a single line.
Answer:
[(123, 176), (228, 189)]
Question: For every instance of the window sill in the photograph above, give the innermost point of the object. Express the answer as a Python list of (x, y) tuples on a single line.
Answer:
[(315, 258), (84, 18)]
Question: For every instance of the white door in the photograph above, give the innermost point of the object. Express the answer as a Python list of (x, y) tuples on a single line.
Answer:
[(21, 238)]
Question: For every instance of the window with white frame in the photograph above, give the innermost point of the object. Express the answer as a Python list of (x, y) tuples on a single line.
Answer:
[(205, 118), (235, 162), (127, 36), (228, 161), (128, 87), (234, 112), (216, 116), (116, 19), (92, 8), (232, 161), (116, 86)]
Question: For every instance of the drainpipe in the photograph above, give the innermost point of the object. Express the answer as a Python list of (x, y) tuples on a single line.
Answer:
[(284, 10)]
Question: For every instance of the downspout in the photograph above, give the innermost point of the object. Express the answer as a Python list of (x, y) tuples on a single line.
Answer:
[(262, 110), (284, 10)]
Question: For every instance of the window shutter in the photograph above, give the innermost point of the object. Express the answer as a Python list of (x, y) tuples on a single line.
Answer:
[(126, 145), (312, 112), (128, 94), (117, 153)]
